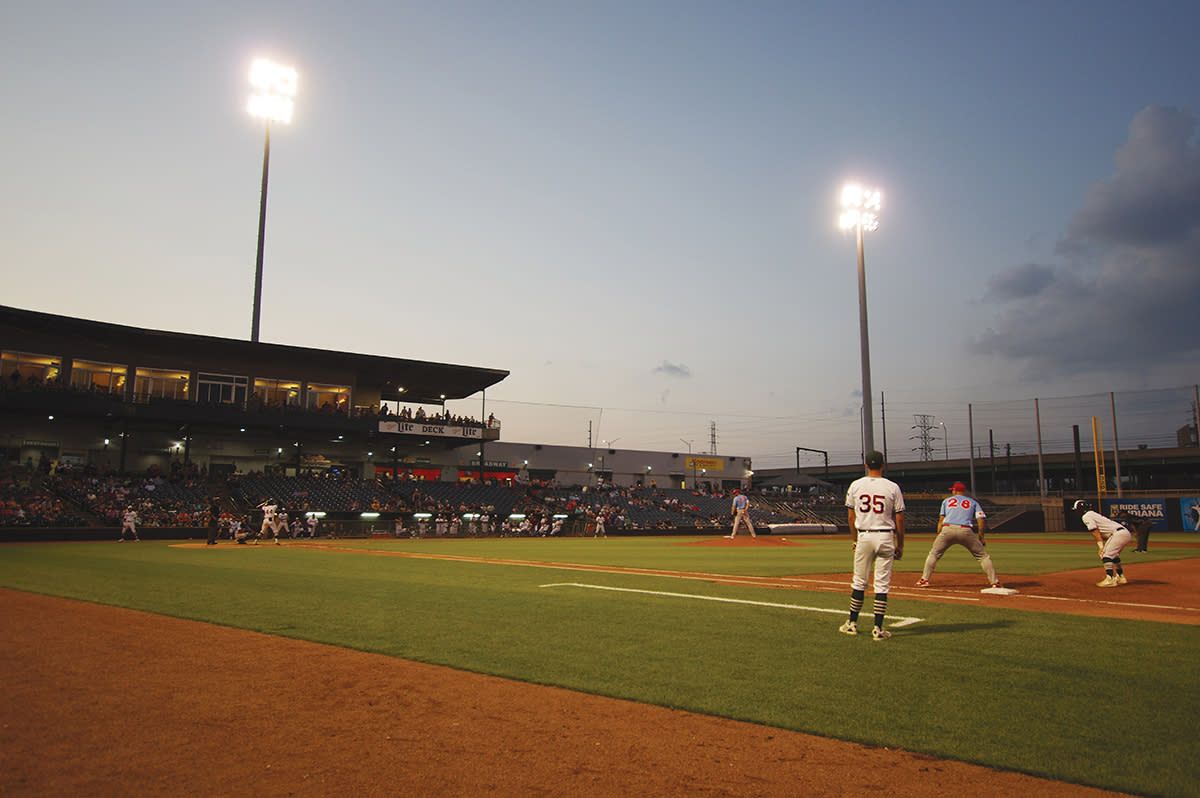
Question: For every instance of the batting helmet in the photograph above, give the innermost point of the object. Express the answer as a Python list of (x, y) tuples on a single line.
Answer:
[(1081, 506)]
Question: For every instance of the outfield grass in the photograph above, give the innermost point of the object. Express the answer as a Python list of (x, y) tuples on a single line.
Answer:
[(1095, 701)]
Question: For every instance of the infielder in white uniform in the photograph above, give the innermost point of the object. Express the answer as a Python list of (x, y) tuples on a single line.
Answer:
[(875, 510), (129, 521), (955, 521), (1110, 538), (740, 510)]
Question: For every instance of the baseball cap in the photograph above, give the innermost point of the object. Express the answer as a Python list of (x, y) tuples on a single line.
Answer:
[(958, 486), (874, 459)]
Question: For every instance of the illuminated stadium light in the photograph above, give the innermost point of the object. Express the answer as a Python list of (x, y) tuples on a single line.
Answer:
[(51, 418), (274, 91), (316, 514), (516, 516), (860, 213), (860, 206), (423, 515), (368, 515), (560, 515), (273, 100)]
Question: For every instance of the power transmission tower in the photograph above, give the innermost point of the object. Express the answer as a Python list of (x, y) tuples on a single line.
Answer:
[(923, 434), (712, 437)]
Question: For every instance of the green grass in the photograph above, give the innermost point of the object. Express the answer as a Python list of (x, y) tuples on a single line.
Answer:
[(1040, 693)]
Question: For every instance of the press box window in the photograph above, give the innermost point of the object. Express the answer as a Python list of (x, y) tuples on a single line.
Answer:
[(221, 389), (160, 384), (30, 369), (97, 377), (270, 392), (334, 398)]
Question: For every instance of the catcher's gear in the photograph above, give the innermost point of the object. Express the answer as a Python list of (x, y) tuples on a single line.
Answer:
[(1081, 506)]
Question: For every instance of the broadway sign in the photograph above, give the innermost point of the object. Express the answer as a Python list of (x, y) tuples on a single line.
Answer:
[(435, 430)]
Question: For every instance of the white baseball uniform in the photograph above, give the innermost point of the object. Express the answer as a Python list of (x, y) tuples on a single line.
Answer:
[(875, 501)]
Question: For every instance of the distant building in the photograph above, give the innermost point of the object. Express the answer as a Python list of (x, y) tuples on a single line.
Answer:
[(1186, 436)]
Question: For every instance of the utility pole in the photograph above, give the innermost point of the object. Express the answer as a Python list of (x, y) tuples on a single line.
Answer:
[(1008, 466), (992, 450), (923, 427), (883, 418)]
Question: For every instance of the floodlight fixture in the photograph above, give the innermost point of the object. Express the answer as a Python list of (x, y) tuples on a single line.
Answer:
[(860, 207), (274, 96)]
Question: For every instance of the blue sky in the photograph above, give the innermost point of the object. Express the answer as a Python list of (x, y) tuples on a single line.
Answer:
[(630, 205)]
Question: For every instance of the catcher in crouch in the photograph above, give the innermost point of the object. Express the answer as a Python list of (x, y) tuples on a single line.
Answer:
[(959, 511)]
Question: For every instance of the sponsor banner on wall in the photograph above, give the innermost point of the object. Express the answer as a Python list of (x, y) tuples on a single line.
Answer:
[(704, 463), (435, 430), (1189, 508), (1145, 509)]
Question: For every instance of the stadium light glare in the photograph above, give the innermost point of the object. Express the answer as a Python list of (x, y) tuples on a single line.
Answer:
[(273, 100), (274, 91), (860, 213)]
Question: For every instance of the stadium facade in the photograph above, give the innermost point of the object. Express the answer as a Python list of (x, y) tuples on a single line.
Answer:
[(125, 399)]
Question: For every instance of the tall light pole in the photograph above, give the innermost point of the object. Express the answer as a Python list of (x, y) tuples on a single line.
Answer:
[(945, 437), (860, 213), (689, 445), (272, 101)]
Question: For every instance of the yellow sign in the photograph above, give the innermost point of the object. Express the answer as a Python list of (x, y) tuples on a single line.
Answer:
[(705, 464)]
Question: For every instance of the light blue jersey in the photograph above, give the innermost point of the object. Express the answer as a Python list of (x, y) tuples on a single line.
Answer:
[(961, 510), (740, 502)]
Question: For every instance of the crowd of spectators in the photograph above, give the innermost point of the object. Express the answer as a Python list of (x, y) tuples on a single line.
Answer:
[(26, 503), (419, 415), (158, 500)]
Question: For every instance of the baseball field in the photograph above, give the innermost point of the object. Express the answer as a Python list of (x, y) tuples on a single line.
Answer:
[(436, 667)]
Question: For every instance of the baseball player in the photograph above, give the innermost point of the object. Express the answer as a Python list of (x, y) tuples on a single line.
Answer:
[(740, 510), (875, 510), (129, 521), (269, 508), (236, 533), (955, 518), (312, 524), (1110, 538), (600, 531)]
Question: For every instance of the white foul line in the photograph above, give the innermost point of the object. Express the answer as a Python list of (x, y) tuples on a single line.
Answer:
[(896, 620)]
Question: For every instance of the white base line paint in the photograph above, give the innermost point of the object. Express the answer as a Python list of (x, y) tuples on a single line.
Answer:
[(896, 621)]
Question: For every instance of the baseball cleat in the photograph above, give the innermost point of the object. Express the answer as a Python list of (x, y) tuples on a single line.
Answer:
[(1107, 581), (848, 628), (997, 584), (1121, 580), (925, 583), (879, 633)]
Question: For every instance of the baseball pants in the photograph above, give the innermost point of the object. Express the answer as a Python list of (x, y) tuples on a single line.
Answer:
[(1116, 542), (743, 516), (874, 549), (964, 536)]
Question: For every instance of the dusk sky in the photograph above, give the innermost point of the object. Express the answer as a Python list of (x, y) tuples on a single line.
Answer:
[(632, 206)]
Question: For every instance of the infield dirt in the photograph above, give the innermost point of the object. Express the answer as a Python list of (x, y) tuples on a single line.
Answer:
[(107, 701)]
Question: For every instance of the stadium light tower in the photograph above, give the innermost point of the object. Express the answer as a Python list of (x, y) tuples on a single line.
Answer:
[(860, 213), (273, 100)]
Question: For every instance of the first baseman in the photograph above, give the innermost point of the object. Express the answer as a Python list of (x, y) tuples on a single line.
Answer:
[(959, 512), (875, 510), (1110, 538)]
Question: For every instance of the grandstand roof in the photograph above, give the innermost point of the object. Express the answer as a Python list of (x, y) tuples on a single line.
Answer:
[(421, 381)]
